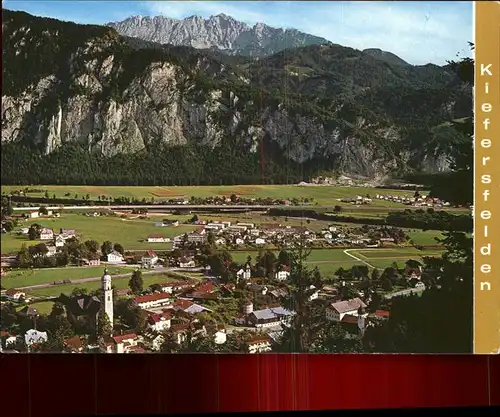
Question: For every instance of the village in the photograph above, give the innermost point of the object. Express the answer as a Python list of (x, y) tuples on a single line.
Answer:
[(201, 281), (250, 235), (179, 310), (417, 200), (220, 301)]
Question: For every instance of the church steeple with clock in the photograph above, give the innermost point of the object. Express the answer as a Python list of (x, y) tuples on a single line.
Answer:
[(107, 296)]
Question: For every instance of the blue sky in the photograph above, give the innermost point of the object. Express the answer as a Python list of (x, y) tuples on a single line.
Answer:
[(419, 32)]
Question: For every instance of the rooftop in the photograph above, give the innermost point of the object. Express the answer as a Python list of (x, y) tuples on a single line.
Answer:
[(123, 337), (271, 313), (152, 297), (348, 305)]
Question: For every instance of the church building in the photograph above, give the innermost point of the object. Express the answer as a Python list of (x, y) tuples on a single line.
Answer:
[(107, 296)]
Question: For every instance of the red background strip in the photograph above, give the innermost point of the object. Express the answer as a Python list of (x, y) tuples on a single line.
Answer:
[(65, 385)]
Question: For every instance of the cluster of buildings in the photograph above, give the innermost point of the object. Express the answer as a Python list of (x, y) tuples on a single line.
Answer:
[(356, 200), (415, 201), (250, 234), (53, 240), (175, 306)]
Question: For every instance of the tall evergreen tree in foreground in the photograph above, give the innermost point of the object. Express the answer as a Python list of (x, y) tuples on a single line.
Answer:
[(440, 320)]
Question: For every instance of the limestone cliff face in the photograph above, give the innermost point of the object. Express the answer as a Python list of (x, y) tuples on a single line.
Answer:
[(220, 32), (156, 107), (97, 90)]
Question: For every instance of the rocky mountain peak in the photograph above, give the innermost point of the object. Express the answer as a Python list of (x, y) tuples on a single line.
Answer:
[(220, 32), (92, 99)]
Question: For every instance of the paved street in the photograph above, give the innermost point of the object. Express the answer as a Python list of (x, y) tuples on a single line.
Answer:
[(404, 292)]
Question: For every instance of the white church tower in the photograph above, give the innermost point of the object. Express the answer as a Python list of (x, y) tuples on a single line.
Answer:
[(107, 295)]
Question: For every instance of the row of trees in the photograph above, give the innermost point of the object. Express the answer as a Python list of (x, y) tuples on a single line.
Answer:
[(417, 219)]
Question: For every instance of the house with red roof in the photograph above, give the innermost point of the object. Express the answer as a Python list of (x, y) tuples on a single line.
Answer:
[(149, 259), (136, 349), (172, 287), (188, 306), (180, 330), (15, 295), (74, 344), (207, 287), (33, 214), (382, 314), (125, 343), (153, 300), (157, 238), (355, 326), (228, 289), (259, 344), (204, 290), (159, 322), (6, 340)]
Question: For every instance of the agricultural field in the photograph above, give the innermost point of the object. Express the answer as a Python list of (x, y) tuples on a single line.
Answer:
[(329, 260), (324, 195), (128, 232), (29, 277), (382, 258), (424, 237)]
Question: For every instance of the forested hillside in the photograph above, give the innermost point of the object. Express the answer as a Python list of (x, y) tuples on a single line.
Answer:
[(95, 107)]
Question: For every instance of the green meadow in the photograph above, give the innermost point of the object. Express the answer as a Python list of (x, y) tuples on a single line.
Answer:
[(119, 283), (329, 260), (323, 194), (28, 277), (130, 233)]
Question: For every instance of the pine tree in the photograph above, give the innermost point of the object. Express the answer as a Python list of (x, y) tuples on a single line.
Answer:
[(299, 335), (104, 328), (417, 324), (136, 283)]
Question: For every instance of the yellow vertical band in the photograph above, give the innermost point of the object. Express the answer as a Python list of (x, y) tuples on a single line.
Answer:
[(487, 178)]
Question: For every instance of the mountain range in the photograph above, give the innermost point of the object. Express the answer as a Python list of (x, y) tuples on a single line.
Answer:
[(203, 101), (224, 34), (221, 32)]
